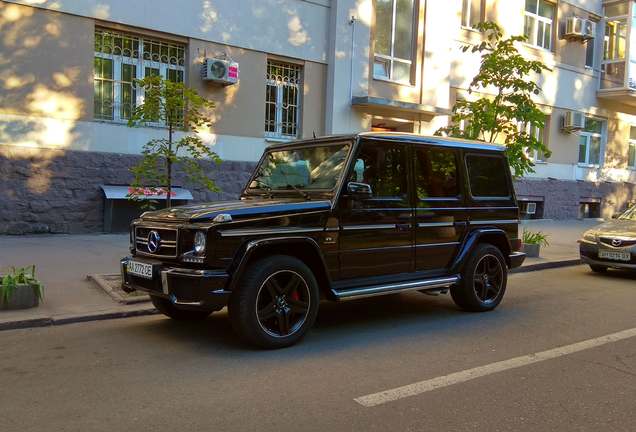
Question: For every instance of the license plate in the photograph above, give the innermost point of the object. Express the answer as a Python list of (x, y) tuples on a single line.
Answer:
[(616, 256), (139, 269)]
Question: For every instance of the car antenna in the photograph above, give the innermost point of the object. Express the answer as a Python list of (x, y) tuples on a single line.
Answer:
[(314, 134)]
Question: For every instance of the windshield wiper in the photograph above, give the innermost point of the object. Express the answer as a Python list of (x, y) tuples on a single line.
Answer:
[(306, 196)]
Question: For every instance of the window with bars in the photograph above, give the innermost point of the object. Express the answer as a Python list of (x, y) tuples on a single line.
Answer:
[(120, 59), (538, 19), (282, 100)]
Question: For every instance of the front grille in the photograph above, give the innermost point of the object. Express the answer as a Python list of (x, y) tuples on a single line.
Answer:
[(167, 246), (186, 290), (608, 241)]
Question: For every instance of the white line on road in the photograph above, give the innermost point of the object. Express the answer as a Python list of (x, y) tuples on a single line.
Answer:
[(467, 375)]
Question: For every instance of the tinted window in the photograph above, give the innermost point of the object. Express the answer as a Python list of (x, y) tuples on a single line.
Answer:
[(436, 173), (487, 176), (383, 168)]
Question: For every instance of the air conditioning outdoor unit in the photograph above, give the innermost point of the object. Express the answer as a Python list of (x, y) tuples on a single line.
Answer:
[(580, 28), (528, 208), (573, 121), (220, 71)]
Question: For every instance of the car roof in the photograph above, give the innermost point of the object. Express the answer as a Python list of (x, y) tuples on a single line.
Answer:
[(398, 136)]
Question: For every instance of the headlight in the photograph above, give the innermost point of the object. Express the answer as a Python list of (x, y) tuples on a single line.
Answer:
[(199, 243), (589, 236)]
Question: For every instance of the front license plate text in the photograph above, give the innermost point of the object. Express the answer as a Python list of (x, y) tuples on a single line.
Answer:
[(616, 256), (139, 269)]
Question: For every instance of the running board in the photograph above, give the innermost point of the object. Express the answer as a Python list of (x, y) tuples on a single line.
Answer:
[(376, 290)]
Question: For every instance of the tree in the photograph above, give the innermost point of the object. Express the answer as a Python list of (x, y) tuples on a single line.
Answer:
[(178, 108), (506, 115)]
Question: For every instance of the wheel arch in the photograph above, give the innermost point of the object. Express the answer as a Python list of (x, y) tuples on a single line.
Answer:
[(303, 248), (494, 236)]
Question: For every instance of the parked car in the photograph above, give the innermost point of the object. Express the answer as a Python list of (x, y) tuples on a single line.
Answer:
[(611, 244), (335, 218)]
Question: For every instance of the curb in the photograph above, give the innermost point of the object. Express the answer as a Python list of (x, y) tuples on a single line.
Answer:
[(545, 266), (74, 318)]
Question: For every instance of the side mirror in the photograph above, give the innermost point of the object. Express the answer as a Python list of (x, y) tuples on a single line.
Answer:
[(359, 191), (615, 215)]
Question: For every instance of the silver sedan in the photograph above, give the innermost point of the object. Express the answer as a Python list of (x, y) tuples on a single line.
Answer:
[(611, 244)]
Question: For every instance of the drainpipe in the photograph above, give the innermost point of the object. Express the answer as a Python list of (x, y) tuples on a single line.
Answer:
[(352, 23)]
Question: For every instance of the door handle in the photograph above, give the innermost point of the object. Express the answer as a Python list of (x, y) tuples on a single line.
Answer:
[(403, 226)]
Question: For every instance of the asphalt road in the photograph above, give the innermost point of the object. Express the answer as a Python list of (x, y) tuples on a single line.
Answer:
[(541, 361)]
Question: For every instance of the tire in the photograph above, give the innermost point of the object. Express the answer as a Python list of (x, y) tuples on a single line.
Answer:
[(483, 280), (598, 268), (165, 306), (275, 302)]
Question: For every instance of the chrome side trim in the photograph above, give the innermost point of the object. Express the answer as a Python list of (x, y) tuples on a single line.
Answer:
[(267, 231), (369, 227), (332, 229), (494, 222), (435, 225), (437, 244), (376, 290)]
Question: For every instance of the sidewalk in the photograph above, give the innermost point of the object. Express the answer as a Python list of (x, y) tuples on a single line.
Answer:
[(63, 262)]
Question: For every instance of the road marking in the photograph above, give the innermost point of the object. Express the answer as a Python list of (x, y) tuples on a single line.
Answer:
[(478, 372)]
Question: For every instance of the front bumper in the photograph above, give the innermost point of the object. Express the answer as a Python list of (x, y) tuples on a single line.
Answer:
[(187, 288), (589, 255)]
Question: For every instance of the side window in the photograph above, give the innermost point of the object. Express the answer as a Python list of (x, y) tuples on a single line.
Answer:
[(436, 173), (383, 168), (487, 176)]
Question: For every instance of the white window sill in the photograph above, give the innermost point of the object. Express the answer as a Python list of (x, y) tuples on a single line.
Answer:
[(279, 140), (588, 166), (390, 81), (538, 48)]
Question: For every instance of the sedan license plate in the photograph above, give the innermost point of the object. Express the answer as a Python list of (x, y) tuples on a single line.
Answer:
[(139, 269), (616, 256)]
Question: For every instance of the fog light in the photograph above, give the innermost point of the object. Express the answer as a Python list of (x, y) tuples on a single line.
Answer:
[(199, 243)]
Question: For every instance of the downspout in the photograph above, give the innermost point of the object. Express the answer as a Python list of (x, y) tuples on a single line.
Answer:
[(352, 23)]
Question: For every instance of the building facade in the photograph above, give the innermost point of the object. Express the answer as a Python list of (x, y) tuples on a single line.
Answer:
[(289, 70)]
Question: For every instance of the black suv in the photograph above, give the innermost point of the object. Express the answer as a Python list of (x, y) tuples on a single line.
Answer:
[(337, 218)]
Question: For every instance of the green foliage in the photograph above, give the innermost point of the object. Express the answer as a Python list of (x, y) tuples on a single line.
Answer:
[(496, 119), (531, 237), (178, 108), (11, 281)]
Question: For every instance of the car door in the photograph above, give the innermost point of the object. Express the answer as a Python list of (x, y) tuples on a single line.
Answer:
[(376, 234), (440, 211)]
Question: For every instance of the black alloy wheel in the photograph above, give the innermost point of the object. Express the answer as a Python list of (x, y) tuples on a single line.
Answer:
[(275, 302), (483, 280)]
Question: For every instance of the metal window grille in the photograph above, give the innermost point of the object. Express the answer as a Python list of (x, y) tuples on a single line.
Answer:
[(119, 60), (282, 100)]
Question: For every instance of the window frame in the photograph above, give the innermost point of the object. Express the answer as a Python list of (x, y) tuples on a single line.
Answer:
[(631, 149), (281, 82), (139, 65), (533, 39), (540, 134), (391, 59), (467, 15), (589, 135)]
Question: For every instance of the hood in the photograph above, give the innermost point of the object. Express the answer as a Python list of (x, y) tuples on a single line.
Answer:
[(617, 228), (240, 209)]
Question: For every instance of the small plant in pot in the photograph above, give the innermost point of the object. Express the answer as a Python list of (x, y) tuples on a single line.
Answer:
[(531, 242), (20, 289)]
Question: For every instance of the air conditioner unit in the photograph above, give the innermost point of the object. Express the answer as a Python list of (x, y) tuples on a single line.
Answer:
[(528, 208), (220, 71), (573, 121), (579, 28)]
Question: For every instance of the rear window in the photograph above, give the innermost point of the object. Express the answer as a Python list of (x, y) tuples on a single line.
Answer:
[(487, 176)]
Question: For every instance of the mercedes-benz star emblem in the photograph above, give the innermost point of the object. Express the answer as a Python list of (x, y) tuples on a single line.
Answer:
[(616, 242), (154, 242)]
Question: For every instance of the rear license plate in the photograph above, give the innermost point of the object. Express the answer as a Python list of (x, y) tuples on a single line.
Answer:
[(139, 269), (616, 256)]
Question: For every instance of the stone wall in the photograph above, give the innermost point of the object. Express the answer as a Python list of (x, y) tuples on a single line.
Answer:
[(561, 199), (57, 191)]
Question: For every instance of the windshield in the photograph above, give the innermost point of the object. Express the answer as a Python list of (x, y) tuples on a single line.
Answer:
[(303, 168), (629, 214)]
